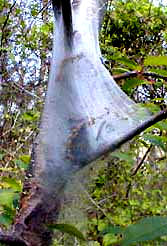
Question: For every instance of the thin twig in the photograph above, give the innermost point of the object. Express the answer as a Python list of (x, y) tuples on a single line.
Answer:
[(15, 120), (136, 73), (18, 148), (149, 11), (126, 75), (155, 75), (39, 12), (21, 88), (6, 21), (95, 203), (142, 161), (136, 169)]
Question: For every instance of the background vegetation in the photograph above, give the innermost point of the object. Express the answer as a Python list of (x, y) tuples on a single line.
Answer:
[(131, 183)]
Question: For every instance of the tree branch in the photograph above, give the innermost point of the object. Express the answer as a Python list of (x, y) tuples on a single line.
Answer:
[(142, 161), (151, 121), (136, 170), (125, 75), (22, 89), (136, 73), (155, 75), (5, 22)]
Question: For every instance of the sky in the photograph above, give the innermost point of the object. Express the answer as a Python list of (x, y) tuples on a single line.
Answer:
[(156, 2)]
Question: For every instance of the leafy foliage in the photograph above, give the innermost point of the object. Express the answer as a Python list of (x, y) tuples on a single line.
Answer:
[(130, 190), (155, 61), (68, 229), (25, 44), (146, 229)]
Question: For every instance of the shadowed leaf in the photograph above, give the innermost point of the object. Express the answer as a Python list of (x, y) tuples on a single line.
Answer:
[(148, 228), (70, 229)]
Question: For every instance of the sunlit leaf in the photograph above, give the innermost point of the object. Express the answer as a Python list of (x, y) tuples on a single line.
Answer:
[(31, 116), (159, 71), (132, 83), (118, 70), (11, 183), (44, 28), (127, 62), (158, 99), (22, 23), (1, 156), (25, 158), (110, 239), (7, 196), (155, 61)]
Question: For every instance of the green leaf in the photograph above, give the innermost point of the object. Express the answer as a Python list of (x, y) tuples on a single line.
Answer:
[(156, 140), (110, 239), (1, 156), (159, 71), (25, 158), (148, 228), (155, 61), (5, 219), (162, 125), (2, 19), (70, 229), (158, 99), (7, 196), (31, 116), (28, 116), (12, 183), (118, 70), (22, 23), (45, 29), (132, 83), (127, 62), (152, 107), (34, 12), (123, 156), (112, 229), (21, 164), (18, 11)]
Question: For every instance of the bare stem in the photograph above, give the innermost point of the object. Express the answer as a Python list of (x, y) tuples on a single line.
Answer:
[(136, 73)]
